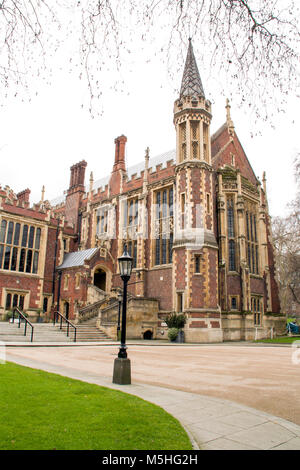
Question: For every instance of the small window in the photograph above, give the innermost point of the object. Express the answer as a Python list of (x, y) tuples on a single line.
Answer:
[(197, 263), (233, 303), (180, 302), (15, 300), (208, 203), (21, 302), (8, 302), (66, 281), (45, 304), (183, 202), (77, 281)]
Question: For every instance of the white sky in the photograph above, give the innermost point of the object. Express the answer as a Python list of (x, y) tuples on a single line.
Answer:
[(39, 141)]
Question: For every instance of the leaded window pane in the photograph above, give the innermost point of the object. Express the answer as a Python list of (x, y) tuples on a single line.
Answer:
[(256, 253), (22, 260), (230, 218), (28, 261), (17, 234), (171, 202), (37, 238), (14, 257), (136, 212), (3, 231), (8, 302), (25, 235), (35, 262), (195, 150), (164, 226), (247, 223), (157, 251), (1, 255), (15, 300), (10, 232), (164, 251), (7, 257), (21, 302), (231, 255), (170, 247), (31, 237)]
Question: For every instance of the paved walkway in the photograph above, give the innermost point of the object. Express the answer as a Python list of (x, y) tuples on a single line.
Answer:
[(212, 423)]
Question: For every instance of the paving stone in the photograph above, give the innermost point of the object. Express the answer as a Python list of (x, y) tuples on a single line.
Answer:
[(265, 436), (216, 426), (292, 444), (203, 436), (227, 444), (244, 419)]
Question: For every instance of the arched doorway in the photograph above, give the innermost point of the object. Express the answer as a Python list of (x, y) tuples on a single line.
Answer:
[(148, 334), (100, 279)]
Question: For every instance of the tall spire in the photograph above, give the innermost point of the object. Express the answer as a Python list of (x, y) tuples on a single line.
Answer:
[(191, 82)]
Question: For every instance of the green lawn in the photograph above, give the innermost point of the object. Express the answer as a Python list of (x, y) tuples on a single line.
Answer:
[(43, 411), (282, 339)]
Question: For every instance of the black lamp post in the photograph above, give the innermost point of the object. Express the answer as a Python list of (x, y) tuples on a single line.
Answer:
[(122, 372), (120, 297)]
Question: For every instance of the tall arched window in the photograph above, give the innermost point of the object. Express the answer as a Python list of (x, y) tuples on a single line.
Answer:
[(164, 226), (231, 234), (252, 240)]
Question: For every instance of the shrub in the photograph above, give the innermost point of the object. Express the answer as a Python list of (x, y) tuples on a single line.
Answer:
[(176, 320), (9, 315), (172, 333)]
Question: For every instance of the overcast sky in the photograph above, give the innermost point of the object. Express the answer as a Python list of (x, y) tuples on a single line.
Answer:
[(40, 140)]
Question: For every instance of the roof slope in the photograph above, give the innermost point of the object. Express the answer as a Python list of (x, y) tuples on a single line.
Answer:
[(77, 258), (223, 145)]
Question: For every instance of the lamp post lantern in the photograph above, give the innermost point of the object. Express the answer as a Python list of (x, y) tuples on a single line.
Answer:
[(122, 372)]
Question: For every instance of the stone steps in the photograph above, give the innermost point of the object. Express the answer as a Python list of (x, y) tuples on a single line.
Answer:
[(47, 333), (86, 332), (42, 333)]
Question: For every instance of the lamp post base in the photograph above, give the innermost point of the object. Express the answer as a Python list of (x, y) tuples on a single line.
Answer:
[(122, 371)]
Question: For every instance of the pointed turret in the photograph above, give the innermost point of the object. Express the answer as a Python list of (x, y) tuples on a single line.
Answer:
[(191, 84), (192, 115), (195, 249)]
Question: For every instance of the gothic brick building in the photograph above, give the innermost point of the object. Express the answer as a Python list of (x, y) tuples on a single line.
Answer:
[(195, 220)]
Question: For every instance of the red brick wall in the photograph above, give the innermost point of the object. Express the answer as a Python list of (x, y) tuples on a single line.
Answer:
[(26, 282), (180, 273), (160, 288)]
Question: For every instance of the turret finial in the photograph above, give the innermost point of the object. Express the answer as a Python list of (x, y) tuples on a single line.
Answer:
[(228, 117)]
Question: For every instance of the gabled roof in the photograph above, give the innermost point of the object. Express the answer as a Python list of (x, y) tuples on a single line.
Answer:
[(191, 82), (223, 145), (77, 258)]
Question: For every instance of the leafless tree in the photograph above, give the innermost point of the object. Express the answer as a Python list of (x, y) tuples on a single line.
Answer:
[(286, 238), (255, 42)]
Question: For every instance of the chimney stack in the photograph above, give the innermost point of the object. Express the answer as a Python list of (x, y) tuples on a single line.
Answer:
[(120, 143), (23, 196)]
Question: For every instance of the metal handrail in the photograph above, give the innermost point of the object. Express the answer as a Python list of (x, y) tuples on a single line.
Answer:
[(26, 321), (67, 321)]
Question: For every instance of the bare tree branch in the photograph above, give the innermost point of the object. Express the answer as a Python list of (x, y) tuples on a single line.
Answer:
[(255, 44)]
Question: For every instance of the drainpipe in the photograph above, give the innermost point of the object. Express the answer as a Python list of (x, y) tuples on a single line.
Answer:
[(58, 291), (55, 256)]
